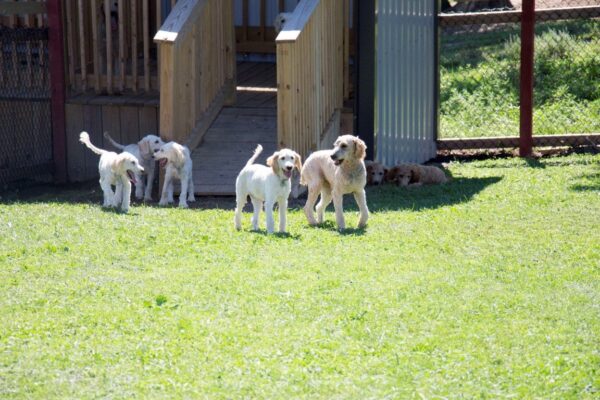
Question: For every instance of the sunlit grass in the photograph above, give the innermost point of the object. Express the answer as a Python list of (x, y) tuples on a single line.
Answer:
[(485, 287)]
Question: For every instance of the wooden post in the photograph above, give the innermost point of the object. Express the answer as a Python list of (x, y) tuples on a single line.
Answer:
[(57, 84), (365, 74), (527, 53)]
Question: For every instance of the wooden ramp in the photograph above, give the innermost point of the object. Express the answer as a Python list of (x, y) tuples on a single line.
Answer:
[(233, 136)]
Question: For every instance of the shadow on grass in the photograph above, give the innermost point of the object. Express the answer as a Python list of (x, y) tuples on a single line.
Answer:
[(588, 183), (332, 226), (381, 198), (278, 235), (392, 198)]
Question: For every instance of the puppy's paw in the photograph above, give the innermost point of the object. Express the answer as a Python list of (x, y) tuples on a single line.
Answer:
[(183, 205)]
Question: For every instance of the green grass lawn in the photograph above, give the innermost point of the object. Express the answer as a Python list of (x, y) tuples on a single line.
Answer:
[(487, 287)]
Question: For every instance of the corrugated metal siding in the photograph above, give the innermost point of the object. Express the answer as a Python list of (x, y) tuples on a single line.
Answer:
[(405, 113)]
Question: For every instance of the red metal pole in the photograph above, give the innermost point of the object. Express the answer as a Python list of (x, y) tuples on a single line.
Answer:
[(527, 51), (57, 85)]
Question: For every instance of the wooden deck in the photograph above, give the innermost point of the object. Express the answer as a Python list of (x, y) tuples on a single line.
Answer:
[(233, 136)]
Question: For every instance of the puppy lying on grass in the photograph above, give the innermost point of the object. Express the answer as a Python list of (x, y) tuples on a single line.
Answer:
[(410, 175)]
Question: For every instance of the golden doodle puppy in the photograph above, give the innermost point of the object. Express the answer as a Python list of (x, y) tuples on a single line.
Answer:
[(409, 175), (333, 173)]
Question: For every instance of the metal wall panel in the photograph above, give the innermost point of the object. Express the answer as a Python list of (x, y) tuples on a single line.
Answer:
[(405, 100)]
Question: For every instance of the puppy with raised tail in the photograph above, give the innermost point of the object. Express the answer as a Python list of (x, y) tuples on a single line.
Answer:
[(177, 162), (266, 184), (333, 173), (115, 169), (143, 151)]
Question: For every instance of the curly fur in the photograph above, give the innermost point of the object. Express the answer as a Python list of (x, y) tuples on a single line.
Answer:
[(143, 151), (333, 173), (177, 162), (266, 184), (117, 170)]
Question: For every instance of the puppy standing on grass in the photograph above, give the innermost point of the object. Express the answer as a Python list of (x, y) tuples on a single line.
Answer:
[(115, 169), (333, 173), (143, 151), (266, 184), (177, 162)]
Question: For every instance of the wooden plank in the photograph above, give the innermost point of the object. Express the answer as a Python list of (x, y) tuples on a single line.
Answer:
[(148, 121), (75, 150), (121, 45), (92, 123), (513, 141), (134, 43), (82, 53), (70, 43), (95, 47), (146, 30), (57, 85), (130, 124), (180, 20), (109, 47), (111, 123)]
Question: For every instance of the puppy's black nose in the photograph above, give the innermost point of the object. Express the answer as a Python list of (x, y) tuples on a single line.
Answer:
[(289, 167), (333, 157)]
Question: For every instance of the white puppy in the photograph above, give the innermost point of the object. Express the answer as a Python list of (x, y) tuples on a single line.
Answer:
[(280, 21), (178, 163), (115, 169), (266, 184), (333, 173), (143, 151)]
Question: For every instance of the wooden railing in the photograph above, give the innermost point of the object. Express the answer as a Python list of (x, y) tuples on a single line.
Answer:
[(25, 14), (196, 46), (109, 45), (312, 60)]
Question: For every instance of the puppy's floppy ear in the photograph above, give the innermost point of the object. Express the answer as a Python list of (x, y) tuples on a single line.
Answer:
[(360, 149), (415, 173), (273, 162), (144, 147), (297, 161)]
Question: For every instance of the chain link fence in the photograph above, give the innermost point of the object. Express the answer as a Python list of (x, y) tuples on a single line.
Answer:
[(480, 49), (25, 120)]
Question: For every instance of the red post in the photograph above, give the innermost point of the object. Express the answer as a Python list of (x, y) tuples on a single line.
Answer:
[(527, 49), (57, 85)]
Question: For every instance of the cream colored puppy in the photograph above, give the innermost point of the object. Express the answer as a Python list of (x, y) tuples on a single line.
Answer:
[(266, 184), (143, 151), (117, 170), (177, 162), (333, 173)]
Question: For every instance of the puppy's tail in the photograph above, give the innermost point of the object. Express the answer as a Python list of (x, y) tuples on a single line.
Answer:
[(115, 144), (257, 152), (85, 139)]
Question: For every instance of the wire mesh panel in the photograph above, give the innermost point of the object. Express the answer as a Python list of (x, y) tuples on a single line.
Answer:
[(479, 69), (480, 66), (25, 124), (567, 67)]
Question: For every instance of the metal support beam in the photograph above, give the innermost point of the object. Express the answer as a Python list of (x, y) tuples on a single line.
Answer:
[(364, 123), (527, 51)]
